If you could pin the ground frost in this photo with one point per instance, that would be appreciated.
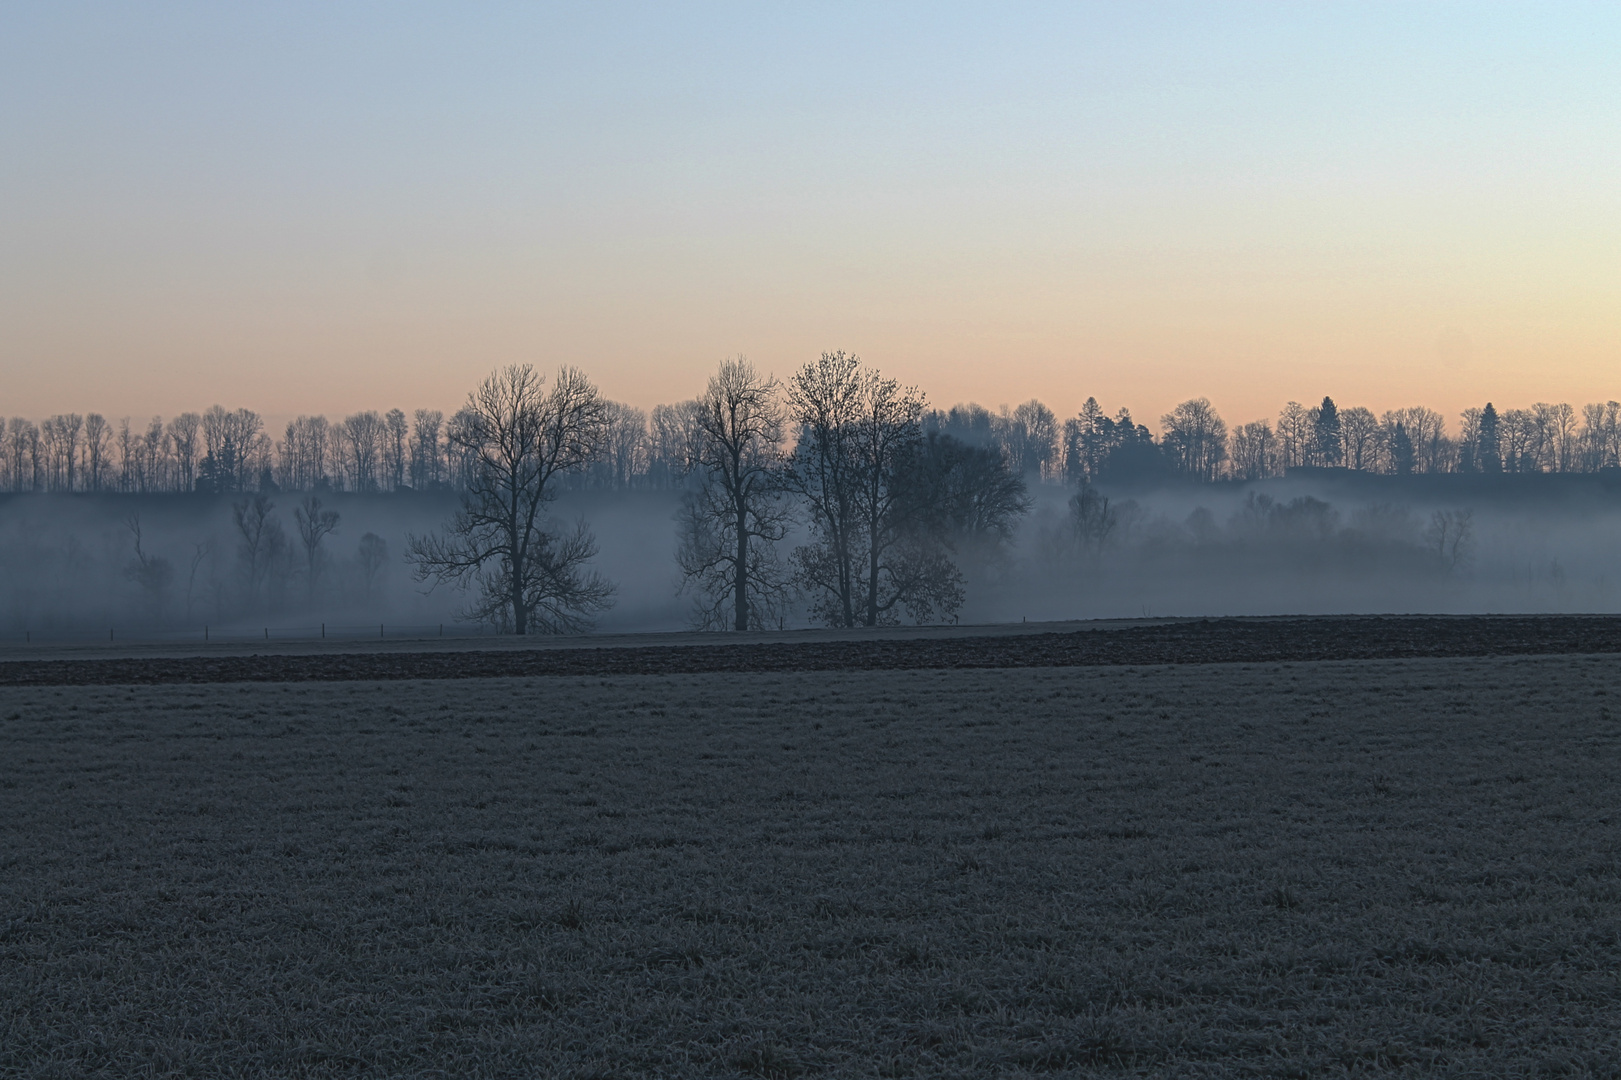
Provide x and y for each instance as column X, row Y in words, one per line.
column 1271, row 870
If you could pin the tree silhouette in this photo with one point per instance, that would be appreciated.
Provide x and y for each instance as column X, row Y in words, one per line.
column 733, row 520
column 517, row 438
column 314, row 524
column 868, row 559
column 1327, row 435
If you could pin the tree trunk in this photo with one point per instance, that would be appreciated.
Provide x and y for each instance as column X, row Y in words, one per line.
column 872, row 562
column 520, row 612
column 741, row 582
column 872, row 587
column 846, row 586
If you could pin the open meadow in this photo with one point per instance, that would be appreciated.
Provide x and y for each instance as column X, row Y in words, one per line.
column 1399, row 866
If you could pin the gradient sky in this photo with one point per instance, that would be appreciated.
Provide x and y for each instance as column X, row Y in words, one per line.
column 326, row 207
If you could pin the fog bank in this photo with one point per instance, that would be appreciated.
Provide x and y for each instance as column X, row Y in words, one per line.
column 1307, row 543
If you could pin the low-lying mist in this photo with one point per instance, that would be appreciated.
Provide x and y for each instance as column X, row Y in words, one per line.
column 1349, row 544
column 168, row 564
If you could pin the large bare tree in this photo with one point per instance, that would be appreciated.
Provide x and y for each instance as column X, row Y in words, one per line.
column 870, row 557
column 518, row 437
column 732, row 520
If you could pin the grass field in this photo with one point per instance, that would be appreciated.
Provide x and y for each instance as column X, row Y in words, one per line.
column 1306, row 869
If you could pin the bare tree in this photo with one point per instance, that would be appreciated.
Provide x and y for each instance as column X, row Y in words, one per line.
column 154, row 457
column 731, row 523
column 396, row 439
column 426, row 459
column 96, row 438
column 362, row 436
column 51, row 456
column 1294, row 435
column 1029, row 438
column 373, row 556
column 305, row 449
column 22, row 449
column 671, row 438
column 1359, row 438
column 1450, row 535
column 59, row 445
column 1254, row 451
column 124, row 441
column 518, row 439
column 71, row 426
column 1600, row 436
column 624, row 446
column 262, row 542
column 314, row 524
column 183, row 444
column 1195, row 437
column 1468, row 459
column 200, row 551
column 461, row 433
column 1520, row 441
column 232, row 441
column 1425, row 430
column 152, row 573
column 1556, row 427
column 1091, row 520
column 868, row 558
column 827, row 399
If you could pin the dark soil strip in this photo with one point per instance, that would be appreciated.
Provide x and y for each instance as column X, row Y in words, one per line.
column 1197, row 642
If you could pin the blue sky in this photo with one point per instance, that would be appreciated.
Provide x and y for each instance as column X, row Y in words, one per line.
column 329, row 207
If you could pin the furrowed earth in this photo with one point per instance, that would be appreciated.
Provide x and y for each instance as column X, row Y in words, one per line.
column 1271, row 866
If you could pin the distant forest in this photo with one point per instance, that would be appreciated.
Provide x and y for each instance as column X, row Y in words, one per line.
column 835, row 496
column 225, row 451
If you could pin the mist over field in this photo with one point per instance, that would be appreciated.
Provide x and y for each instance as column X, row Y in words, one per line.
column 833, row 496
column 1318, row 544
column 1323, row 545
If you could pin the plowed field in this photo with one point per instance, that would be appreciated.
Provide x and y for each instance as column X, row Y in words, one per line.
column 1190, row 642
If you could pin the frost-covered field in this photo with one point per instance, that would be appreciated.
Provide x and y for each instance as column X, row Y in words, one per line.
column 1282, row 869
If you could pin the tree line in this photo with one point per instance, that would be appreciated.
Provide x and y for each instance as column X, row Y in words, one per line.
column 230, row 451
column 837, row 492
column 224, row 451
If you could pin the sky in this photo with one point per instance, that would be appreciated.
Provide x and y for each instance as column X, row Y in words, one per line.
column 324, row 207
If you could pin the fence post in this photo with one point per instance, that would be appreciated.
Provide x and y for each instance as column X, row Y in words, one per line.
column 267, row 633
column 379, row 629
column 323, row 631
column 205, row 631
column 441, row 629
column 109, row 633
